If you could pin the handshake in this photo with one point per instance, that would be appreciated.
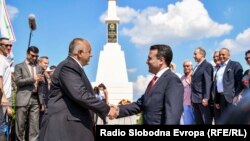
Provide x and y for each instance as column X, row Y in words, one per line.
column 113, row 112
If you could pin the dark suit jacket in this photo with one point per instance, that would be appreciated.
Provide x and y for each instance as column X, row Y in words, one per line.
column 232, row 84
column 201, row 84
column 162, row 105
column 24, row 82
column 70, row 105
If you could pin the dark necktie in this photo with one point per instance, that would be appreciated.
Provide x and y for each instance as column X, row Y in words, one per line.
column 151, row 84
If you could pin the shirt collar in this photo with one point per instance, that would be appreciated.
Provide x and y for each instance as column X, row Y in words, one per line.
column 28, row 62
column 77, row 61
column 225, row 63
column 159, row 74
column 200, row 62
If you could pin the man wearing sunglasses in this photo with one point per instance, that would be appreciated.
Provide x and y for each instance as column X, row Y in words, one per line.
column 29, row 100
column 246, row 76
column 5, row 84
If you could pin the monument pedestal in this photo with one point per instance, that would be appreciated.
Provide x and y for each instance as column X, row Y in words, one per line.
column 112, row 70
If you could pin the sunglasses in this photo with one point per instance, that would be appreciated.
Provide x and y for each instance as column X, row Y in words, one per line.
column 32, row 55
column 247, row 58
column 7, row 45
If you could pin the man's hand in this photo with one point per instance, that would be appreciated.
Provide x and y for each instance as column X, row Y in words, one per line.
column 9, row 111
column 204, row 102
column 113, row 112
column 217, row 106
column 4, row 102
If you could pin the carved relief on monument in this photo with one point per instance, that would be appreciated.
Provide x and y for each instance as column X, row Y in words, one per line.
column 112, row 33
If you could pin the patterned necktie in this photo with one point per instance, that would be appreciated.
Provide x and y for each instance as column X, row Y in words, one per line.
column 151, row 84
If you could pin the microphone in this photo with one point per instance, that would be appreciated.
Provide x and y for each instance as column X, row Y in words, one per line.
column 32, row 22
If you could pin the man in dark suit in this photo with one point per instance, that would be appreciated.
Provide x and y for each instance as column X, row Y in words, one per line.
column 201, row 87
column 228, row 81
column 69, row 116
column 162, row 102
column 28, row 98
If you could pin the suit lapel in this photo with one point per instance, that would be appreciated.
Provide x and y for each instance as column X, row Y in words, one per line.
column 26, row 68
column 229, row 65
column 83, row 75
column 197, row 71
column 157, row 83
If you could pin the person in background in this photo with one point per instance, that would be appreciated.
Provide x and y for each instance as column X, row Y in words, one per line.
column 97, row 93
column 172, row 68
column 52, row 69
column 188, row 113
column 43, row 62
column 99, row 97
column 5, row 86
column 201, row 87
column 215, row 112
column 103, row 92
column 240, row 114
column 246, row 76
column 228, row 81
column 29, row 97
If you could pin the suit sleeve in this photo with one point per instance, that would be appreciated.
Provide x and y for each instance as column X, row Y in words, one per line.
column 173, row 101
column 238, row 74
column 208, row 80
column 20, row 81
column 73, row 86
column 131, row 109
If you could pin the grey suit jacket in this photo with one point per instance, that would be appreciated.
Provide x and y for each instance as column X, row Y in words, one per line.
column 232, row 84
column 163, row 105
column 201, row 84
column 24, row 82
column 70, row 105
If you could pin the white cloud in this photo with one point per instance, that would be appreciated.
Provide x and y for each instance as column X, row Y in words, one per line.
column 132, row 70
column 140, row 85
column 12, row 11
column 239, row 44
column 185, row 20
column 126, row 14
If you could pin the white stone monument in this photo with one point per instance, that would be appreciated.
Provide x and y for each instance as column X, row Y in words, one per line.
column 112, row 71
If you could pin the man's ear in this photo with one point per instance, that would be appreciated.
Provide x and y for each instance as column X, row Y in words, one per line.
column 162, row 60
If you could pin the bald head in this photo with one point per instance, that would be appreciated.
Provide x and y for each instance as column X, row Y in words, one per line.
column 80, row 49
column 77, row 45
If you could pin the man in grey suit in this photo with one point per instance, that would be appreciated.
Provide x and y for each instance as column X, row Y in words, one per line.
column 228, row 81
column 72, row 101
column 29, row 99
column 162, row 102
column 201, row 87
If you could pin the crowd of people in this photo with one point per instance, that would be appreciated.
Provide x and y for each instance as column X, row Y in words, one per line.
column 48, row 104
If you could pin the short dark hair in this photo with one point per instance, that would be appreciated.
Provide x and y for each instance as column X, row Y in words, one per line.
column 202, row 51
column 52, row 67
column 33, row 49
column 3, row 38
column 96, row 90
column 247, row 52
column 164, row 51
column 102, row 85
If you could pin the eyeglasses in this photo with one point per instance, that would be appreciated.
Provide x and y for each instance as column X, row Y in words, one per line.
column 247, row 58
column 186, row 65
column 7, row 45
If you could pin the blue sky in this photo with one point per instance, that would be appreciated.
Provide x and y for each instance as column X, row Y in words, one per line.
column 182, row 24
